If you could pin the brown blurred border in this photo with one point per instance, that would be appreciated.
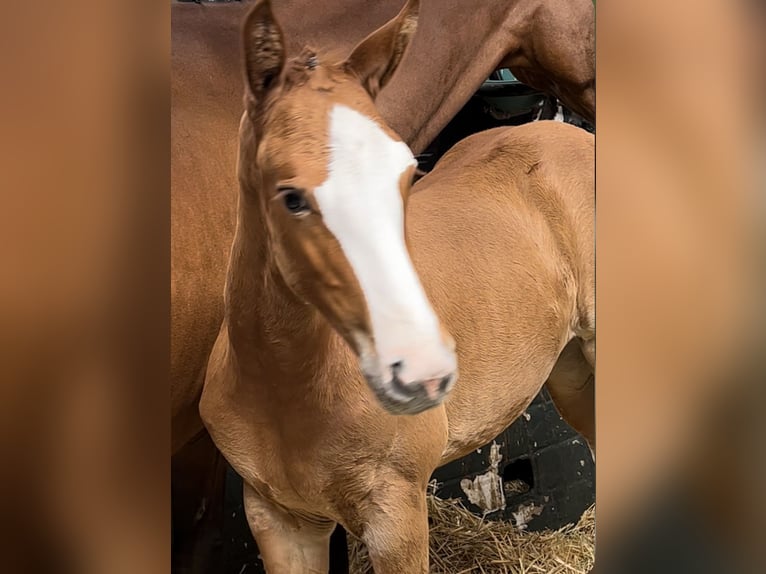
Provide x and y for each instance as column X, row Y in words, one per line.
column 84, row 293
column 679, row 286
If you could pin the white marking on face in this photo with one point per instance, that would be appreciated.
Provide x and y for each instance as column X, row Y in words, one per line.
column 362, row 206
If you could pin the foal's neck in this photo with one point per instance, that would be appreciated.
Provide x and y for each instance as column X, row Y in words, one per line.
column 266, row 320
column 269, row 327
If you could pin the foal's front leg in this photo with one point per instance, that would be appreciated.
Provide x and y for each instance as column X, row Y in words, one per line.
column 396, row 530
column 288, row 544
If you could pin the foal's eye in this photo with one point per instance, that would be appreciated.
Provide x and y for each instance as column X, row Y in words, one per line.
column 295, row 201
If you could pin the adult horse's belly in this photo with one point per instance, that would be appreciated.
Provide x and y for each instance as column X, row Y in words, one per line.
column 206, row 91
column 201, row 233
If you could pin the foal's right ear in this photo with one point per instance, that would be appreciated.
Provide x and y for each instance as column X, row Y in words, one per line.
column 264, row 50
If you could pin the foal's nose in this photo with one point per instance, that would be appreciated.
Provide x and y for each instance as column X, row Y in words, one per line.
column 435, row 387
column 432, row 388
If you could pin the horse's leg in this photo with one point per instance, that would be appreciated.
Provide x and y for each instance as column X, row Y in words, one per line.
column 564, row 44
column 197, row 475
column 572, row 387
column 589, row 352
column 288, row 544
column 557, row 53
column 396, row 531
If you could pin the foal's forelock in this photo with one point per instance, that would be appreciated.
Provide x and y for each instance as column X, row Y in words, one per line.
column 311, row 65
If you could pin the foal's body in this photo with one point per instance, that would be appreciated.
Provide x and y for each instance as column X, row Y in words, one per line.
column 501, row 234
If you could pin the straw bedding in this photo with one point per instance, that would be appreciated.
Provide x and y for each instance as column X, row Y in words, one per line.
column 463, row 543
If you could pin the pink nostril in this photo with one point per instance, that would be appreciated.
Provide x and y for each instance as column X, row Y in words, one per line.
column 432, row 387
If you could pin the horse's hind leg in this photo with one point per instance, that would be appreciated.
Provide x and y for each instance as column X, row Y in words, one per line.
column 287, row 544
column 572, row 387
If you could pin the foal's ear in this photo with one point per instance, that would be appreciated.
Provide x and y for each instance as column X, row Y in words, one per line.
column 375, row 58
column 264, row 50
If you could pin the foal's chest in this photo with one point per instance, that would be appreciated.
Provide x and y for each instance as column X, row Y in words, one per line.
column 291, row 454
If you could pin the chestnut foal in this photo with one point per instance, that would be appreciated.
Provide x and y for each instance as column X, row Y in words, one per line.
column 332, row 388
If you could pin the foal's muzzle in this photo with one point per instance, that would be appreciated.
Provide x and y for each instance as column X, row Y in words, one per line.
column 401, row 397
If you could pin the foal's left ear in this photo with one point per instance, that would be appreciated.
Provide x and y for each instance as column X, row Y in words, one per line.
column 264, row 50
column 375, row 58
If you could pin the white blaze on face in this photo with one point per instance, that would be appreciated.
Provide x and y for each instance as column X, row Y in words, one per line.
column 362, row 206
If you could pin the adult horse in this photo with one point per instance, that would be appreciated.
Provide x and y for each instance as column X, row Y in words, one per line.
column 548, row 44
column 336, row 326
